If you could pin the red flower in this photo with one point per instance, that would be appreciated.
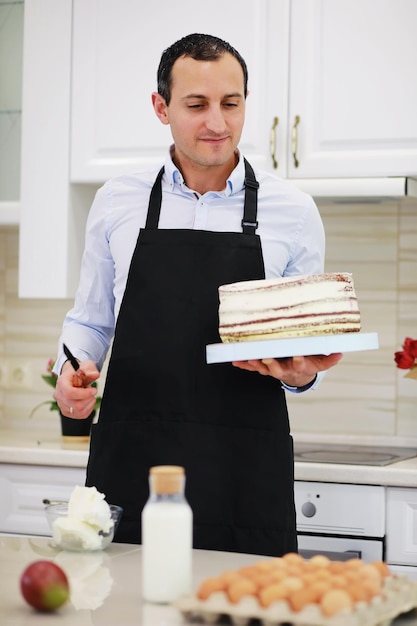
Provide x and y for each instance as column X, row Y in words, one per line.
column 405, row 359
column 410, row 346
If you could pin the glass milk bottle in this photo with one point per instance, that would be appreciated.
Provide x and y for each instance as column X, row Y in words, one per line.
column 167, row 536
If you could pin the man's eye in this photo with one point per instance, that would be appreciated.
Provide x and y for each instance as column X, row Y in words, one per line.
column 195, row 106
column 231, row 104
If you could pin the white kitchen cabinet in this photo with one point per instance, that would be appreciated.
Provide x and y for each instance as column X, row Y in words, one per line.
column 52, row 212
column 353, row 85
column 22, row 489
column 401, row 526
column 344, row 70
column 117, row 48
column 11, row 50
column 89, row 67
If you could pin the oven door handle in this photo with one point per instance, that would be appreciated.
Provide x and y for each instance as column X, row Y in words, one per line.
column 332, row 555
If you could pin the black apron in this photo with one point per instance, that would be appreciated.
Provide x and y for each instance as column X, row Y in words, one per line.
column 162, row 404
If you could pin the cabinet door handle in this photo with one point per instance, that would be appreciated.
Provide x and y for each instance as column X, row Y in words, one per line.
column 295, row 140
column 273, row 142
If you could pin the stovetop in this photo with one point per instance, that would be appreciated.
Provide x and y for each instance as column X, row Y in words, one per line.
column 351, row 454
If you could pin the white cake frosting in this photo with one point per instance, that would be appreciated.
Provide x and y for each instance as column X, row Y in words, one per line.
column 296, row 306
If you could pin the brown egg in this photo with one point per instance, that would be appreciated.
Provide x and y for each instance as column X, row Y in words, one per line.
column 383, row 568
column 299, row 598
column 294, row 569
column 262, row 579
column 357, row 592
column 265, row 566
column 336, row 567
column 369, row 572
column 278, row 575
column 273, row 593
column 240, row 588
column 351, row 574
column 338, row 581
column 248, row 571
column 308, row 578
column 318, row 561
column 320, row 587
column 209, row 586
column 334, row 601
column 371, row 586
column 292, row 558
column 323, row 574
column 370, row 580
column 278, row 564
column 292, row 583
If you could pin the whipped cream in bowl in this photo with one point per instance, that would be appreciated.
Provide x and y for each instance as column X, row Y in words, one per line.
column 86, row 523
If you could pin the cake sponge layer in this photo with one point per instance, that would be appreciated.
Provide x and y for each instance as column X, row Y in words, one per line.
column 299, row 306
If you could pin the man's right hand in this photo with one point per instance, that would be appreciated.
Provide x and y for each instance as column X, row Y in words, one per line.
column 73, row 399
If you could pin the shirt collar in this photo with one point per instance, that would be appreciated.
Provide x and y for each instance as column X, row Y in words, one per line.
column 234, row 183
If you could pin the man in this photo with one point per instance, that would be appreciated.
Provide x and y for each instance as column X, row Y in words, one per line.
column 158, row 246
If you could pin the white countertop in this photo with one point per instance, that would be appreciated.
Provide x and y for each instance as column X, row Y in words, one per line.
column 41, row 448
column 105, row 586
column 37, row 448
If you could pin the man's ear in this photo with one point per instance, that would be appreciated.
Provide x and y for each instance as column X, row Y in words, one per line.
column 160, row 108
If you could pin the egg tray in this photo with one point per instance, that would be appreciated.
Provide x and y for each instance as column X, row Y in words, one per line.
column 398, row 595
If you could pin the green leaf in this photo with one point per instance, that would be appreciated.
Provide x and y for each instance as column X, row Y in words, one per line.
column 52, row 403
column 50, row 379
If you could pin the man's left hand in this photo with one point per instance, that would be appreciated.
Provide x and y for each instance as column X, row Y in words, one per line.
column 296, row 371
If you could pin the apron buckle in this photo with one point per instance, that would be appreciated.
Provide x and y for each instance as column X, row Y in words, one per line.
column 249, row 228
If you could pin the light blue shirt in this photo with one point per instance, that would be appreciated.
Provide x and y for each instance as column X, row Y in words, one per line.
column 290, row 229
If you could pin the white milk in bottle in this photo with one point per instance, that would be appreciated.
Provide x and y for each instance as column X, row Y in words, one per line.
column 167, row 531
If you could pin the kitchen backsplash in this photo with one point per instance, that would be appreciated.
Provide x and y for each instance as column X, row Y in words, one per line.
column 365, row 394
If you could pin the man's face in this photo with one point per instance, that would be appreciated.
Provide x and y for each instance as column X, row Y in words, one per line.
column 207, row 110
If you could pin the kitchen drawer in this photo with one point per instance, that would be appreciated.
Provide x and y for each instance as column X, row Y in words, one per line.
column 22, row 489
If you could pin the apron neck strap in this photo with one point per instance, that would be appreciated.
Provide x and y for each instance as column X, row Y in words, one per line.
column 250, row 209
column 155, row 200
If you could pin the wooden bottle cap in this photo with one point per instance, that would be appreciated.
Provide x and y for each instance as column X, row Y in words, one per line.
column 167, row 479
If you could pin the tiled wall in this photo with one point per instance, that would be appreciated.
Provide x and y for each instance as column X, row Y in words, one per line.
column 365, row 394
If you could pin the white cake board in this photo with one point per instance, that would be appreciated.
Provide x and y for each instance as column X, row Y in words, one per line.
column 280, row 348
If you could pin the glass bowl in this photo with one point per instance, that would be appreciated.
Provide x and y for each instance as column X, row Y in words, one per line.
column 80, row 537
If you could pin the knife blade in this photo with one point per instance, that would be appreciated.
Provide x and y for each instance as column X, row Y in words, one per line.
column 71, row 358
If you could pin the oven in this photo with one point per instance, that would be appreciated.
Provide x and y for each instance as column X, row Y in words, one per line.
column 345, row 520
column 340, row 520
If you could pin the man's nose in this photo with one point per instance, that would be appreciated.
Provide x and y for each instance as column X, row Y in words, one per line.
column 215, row 120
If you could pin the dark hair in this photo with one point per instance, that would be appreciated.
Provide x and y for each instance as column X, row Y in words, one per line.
column 199, row 47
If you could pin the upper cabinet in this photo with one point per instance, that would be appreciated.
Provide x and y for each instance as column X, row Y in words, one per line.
column 117, row 48
column 11, row 52
column 333, row 86
column 352, row 88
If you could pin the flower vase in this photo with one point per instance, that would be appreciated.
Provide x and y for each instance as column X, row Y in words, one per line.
column 76, row 431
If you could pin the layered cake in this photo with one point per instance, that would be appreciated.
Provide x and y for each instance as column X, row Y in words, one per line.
column 296, row 306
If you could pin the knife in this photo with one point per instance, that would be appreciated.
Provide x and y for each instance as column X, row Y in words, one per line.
column 71, row 358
